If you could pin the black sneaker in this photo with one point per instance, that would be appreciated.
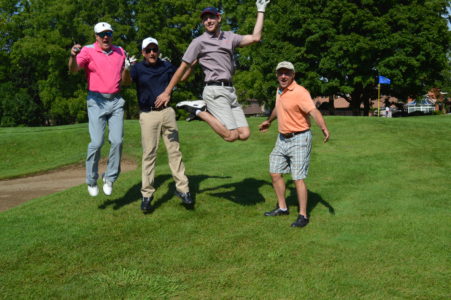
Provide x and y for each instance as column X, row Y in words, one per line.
column 192, row 106
column 145, row 204
column 301, row 221
column 191, row 117
column 276, row 212
column 186, row 197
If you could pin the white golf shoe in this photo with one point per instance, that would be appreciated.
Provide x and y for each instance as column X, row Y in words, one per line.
column 192, row 106
column 93, row 190
column 107, row 187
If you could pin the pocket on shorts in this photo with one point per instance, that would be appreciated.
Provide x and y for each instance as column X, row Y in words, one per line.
column 208, row 94
column 231, row 96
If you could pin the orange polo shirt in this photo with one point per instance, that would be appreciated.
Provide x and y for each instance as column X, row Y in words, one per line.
column 293, row 106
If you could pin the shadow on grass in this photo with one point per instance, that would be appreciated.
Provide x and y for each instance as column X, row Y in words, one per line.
column 245, row 192
column 313, row 200
column 134, row 193
column 194, row 183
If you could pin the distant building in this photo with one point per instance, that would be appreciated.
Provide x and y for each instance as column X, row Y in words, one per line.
column 340, row 106
column 254, row 109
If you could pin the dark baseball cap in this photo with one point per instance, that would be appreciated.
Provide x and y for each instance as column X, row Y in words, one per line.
column 210, row 10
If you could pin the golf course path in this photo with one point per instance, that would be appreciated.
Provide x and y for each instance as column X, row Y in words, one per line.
column 16, row 191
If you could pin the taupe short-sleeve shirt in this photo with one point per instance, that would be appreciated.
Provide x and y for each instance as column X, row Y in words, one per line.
column 215, row 54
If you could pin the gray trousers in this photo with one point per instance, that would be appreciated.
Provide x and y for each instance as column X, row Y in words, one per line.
column 103, row 110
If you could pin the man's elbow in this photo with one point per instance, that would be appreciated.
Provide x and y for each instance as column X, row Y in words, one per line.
column 73, row 68
column 256, row 38
column 73, row 71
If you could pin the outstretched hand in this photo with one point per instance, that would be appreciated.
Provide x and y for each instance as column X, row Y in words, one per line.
column 263, row 127
column 261, row 5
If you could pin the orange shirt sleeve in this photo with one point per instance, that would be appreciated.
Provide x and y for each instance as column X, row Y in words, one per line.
column 306, row 102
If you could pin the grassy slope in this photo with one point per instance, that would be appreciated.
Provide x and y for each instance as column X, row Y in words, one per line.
column 379, row 206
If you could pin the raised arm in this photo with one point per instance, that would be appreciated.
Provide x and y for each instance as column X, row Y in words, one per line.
column 318, row 117
column 258, row 28
column 128, row 63
column 73, row 66
column 126, row 77
column 163, row 98
column 188, row 71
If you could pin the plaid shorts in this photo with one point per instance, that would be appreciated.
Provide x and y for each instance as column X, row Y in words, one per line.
column 292, row 155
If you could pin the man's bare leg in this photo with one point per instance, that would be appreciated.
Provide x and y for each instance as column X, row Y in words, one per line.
column 301, row 190
column 241, row 133
column 279, row 188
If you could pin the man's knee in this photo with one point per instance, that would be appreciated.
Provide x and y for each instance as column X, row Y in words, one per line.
column 96, row 144
column 232, row 136
column 276, row 176
column 116, row 142
column 244, row 136
column 244, row 133
column 241, row 134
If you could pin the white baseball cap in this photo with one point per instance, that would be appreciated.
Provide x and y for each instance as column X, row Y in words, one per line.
column 285, row 65
column 148, row 41
column 101, row 27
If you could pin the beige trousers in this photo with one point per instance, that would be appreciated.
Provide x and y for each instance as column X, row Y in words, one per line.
column 153, row 125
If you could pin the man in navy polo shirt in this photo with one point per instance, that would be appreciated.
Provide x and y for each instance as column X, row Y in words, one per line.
column 152, row 75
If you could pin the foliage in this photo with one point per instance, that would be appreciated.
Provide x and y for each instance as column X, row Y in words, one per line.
column 17, row 107
column 337, row 46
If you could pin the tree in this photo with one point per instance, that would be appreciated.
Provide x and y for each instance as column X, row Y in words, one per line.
column 35, row 42
column 337, row 46
column 340, row 46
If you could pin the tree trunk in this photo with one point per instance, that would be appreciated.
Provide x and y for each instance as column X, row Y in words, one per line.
column 356, row 99
column 331, row 105
column 366, row 107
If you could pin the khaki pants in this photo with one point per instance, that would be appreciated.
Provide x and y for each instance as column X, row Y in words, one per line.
column 153, row 125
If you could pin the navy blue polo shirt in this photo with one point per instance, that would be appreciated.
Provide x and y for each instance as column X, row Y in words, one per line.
column 151, row 81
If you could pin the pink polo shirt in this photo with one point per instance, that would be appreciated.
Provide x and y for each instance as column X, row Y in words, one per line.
column 103, row 70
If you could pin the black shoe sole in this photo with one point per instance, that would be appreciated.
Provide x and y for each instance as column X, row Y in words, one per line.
column 273, row 214
column 296, row 224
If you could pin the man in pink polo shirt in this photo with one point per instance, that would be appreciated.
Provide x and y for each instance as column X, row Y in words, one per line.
column 291, row 154
column 104, row 65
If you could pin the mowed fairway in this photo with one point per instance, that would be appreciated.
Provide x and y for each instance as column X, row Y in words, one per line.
column 379, row 204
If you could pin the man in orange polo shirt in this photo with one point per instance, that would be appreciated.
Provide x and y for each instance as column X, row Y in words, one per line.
column 291, row 153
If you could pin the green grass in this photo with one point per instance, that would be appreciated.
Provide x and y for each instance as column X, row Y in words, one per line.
column 378, row 199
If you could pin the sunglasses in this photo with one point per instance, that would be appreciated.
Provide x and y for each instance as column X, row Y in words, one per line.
column 284, row 72
column 105, row 33
column 148, row 50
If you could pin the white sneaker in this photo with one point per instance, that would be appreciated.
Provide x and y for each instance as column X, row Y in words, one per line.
column 93, row 190
column 192, row 106
column 107, row 187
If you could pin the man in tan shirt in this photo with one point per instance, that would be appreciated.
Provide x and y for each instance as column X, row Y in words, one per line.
column 214, row 51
